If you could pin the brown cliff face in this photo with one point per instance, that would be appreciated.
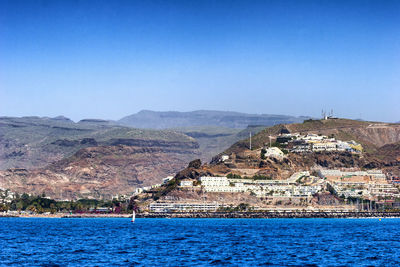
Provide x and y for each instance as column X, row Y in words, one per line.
column 102, row 172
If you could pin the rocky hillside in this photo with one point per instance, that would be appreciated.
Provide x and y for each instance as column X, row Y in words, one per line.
column 91, row 158
column 102, row 171
column 32, row 142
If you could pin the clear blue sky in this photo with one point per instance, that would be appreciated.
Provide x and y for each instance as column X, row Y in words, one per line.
column 108, row 59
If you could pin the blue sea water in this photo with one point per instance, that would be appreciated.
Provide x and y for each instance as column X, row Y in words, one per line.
column 177, row 242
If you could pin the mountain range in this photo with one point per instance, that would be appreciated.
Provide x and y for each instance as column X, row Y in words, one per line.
column 99, row 158
column 173, row 119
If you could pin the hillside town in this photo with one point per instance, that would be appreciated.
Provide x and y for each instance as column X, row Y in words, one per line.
column 298, row 143
column 300, row 188
column 6, row 196
column 349, row 186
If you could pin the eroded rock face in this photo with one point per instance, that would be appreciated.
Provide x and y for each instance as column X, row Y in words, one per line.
column 100, row 172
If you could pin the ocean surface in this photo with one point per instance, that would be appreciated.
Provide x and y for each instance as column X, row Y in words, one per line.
column 177, row 242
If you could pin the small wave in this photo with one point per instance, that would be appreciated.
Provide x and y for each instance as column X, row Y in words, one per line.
column 220, row 262
column 50, row 265
column 267, row 263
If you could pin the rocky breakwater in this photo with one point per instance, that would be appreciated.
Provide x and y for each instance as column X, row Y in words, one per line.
column 273, row 214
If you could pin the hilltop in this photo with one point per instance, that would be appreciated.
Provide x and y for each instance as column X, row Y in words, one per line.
column 371, row 135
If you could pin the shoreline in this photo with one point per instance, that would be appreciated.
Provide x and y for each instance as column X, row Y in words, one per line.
column 220, row 215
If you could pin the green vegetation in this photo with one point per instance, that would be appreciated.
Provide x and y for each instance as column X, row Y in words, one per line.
column 240, row 207
column 234, row 176
column 261, row 177
column 41, row 204
column 263, row 151
column 165, row 190
column 254, row 177
column 279, row 145
column 300, row 179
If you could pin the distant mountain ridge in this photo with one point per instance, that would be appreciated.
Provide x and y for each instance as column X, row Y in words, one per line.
column 31, row 142
column 90, row 158
column 228, row 119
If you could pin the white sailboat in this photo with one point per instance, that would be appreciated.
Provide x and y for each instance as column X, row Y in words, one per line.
column 133, row 216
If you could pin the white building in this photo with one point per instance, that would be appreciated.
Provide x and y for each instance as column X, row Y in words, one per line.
column 138, row 191
column 274, row 152
column 212, row 181
column 377, row 174
column 182, row 207
column 224, row 158
column 6, row 196
column 219, row 184
column 166, row 180
column 261, row 188
column 313, row 137
column 186, row 183
column 324, row 146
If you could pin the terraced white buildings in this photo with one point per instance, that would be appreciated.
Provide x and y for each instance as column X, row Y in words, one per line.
column 261, row 188
column 371, row 184
column 317, row 143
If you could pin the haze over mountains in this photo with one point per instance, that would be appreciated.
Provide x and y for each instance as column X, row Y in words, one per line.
column 32, row 142
column 214, row 130
column 227, row 119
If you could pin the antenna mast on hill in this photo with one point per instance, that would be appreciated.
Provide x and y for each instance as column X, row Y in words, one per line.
column 323, row 115
column 250, row 140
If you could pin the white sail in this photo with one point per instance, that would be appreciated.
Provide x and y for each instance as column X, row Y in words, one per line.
column 133, row 216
